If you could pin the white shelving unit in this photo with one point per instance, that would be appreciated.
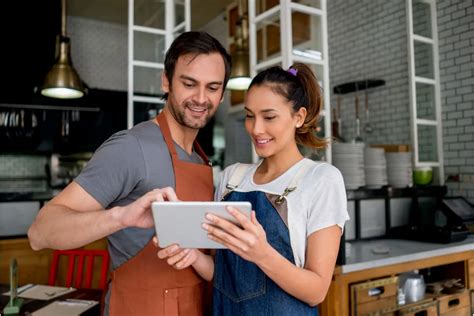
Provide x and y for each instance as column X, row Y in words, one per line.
column 425, row 95
column 298, row 42
column 152, row 27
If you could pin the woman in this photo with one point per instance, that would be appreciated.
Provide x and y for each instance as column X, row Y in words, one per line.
column 281, row 260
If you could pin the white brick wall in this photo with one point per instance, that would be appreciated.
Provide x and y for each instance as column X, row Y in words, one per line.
column 456, row 50
column 99, row 52
column 368, row 39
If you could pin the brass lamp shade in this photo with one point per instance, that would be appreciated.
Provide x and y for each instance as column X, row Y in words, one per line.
column 62, row 81
column 240, row 76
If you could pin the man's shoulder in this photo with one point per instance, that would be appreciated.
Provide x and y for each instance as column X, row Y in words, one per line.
column 139, row 134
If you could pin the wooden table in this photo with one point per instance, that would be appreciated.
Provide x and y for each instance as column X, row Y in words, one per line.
column 30, row 305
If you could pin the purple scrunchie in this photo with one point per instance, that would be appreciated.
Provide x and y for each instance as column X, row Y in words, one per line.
column 293, row 71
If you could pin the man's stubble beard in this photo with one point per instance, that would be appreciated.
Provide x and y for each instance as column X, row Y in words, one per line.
column 180, row 117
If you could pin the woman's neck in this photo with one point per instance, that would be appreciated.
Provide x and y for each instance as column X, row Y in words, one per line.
column 274, row 166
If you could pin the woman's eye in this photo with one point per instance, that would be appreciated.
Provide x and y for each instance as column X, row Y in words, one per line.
column 269, row 118
column 248, row 116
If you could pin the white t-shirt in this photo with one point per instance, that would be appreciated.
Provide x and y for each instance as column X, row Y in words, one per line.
column 319, row 200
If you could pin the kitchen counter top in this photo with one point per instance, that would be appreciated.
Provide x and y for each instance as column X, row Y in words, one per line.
column 373, row 254
column 27, row 196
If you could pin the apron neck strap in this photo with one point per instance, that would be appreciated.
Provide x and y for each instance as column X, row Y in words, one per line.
column 165, row 130
column 236, row 178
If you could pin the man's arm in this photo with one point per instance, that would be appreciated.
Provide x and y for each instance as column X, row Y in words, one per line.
column 74, row 218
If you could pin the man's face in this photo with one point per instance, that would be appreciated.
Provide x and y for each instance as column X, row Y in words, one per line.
column 196, row 88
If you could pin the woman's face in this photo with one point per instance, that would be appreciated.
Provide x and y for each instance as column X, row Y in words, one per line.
column 271, row 121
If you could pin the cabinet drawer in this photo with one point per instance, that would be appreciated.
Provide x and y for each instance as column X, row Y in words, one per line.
column 471, row 273
column 374, row 296
column 424, row 309
column 472, row 301
column 453, row 303
column 465, row 311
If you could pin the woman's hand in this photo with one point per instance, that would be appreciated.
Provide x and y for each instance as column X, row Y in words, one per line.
column 177, row 257
column 249, row 241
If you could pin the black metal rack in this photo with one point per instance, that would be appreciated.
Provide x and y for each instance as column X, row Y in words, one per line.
column 358, row 85
column 386, row 193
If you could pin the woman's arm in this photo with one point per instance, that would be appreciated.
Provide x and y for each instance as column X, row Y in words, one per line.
column 309, row 284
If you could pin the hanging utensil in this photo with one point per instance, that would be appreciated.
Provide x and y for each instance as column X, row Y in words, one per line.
column 67, row 123
column 63, row 124
column 367, row 127
column 339, row 119
column 358, row 138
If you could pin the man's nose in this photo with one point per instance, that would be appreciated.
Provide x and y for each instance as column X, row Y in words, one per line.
column 200, row 96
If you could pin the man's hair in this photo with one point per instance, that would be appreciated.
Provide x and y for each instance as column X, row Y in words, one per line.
column 195, row 43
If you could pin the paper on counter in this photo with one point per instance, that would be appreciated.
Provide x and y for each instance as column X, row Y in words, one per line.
column 67, row 307
column 21, row 289
column 45, row 292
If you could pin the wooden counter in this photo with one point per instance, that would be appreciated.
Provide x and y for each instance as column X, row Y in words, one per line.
column 403, row 256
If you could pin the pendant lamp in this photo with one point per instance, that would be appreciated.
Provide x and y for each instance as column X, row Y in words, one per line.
column 240, row 75
column 63, row 81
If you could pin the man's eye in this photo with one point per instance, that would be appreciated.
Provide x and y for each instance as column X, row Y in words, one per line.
column 213, row 89
column 188, row 85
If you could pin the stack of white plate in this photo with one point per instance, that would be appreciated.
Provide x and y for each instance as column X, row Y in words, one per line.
column 375, row 166
column 399, row 169
column 349, row 159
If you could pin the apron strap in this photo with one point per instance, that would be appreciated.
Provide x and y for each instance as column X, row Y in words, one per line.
column 235, row 178
column 201, row 153
column 238, row 175
column 165, row 130
column 294, row 182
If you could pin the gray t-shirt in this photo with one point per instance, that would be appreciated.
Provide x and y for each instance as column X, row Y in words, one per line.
column 125, row 167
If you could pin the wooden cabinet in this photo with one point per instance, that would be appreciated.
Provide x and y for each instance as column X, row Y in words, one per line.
column 426, row 309
column 455, row 265
column 372, row 296
column 470, row 269
column 33, row 266
column 455, row 304
column 472, row 302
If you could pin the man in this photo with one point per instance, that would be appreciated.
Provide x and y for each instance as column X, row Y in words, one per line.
column 113, row 194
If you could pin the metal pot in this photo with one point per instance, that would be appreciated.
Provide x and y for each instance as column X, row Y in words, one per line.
column 414, row 287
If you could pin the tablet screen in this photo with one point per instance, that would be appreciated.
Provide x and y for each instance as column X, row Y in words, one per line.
column 181, row 222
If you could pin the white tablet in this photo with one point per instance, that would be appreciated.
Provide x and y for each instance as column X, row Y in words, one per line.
column 180, row 222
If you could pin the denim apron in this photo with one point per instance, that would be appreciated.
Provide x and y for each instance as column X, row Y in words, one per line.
column 240, row 286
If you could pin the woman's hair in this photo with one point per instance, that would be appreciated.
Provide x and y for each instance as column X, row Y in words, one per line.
column 299, row 86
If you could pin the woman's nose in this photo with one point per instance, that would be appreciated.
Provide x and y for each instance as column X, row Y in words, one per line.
column 257, row 127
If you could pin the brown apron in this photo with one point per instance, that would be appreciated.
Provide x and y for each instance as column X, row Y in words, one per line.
column 147, row 285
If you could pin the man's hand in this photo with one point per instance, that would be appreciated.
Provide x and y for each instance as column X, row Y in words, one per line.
column 138, row 213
